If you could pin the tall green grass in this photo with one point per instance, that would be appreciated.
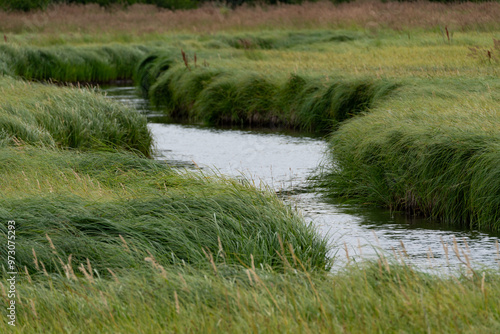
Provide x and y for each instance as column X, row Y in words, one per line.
column 239, row 98
column 177, row 91
column 372, row 298
column 51, row 116
column 221, row 97
column 150, row 68
column 71, row 63
column 435, row 156
column 116, row 208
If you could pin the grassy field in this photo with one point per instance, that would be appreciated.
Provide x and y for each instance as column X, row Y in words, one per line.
column 108, row 240
column 139, row 21
column 427, row 142
column 360, row 299
column 116, row 209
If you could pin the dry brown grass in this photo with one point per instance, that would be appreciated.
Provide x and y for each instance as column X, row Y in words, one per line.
column 144, row 19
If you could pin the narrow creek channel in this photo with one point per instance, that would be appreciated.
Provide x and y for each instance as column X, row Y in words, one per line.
column 283, row 162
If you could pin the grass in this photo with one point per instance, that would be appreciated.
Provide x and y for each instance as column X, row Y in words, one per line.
column 438, row 156
column 96, row 197
column 314, row 80
column 101, row 205
column 218, row 97
column 373, row 297
column 131, row 245
column 45, row 115
column 139, row 21
column 71, row 64
column 108, row 241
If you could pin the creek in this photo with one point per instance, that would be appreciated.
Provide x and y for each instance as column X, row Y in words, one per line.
column 283, row 162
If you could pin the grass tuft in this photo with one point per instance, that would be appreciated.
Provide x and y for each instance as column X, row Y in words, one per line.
column 50, row 116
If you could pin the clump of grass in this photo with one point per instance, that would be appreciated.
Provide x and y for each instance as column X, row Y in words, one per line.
column 72, row 64
column 150, row 68
column 321, row 107
column 243, row 99
column 177, row 90
column 435, row 157
column 68, row 118
column 116, row 208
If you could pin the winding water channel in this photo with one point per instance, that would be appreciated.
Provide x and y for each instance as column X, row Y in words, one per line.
column 283, row 162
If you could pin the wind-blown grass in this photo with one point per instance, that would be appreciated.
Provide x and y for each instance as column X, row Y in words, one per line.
column 150, row 68
column 70, row 63
column 436, row 157
column 193, row 252
column 115, row 209
column 214, row 299
column 52, row 116
column 218, row 97
column 176, row 91
column 241, row 99
column 199, row 253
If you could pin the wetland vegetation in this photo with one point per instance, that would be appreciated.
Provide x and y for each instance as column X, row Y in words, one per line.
column 407, row 95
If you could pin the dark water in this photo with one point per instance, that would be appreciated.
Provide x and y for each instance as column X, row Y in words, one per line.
column 283, row 162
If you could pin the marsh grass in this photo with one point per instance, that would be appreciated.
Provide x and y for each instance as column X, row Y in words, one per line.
column 288, row 40
column 178, row 90
column 241, row 99
column 378, row 296
column 141, row 20
column 111, row 242
column 436, row 157
column 89, row 203
column 148, row 69
column 248, row 98
column 71, row 64
column 77, row 118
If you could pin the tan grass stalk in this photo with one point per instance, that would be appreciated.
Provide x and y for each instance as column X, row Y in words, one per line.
column 144, row 19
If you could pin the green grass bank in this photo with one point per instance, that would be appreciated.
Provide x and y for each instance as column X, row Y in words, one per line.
column 111, row 242
column 233, row 83
column 66, row 174
column 433, row 150
column 76, row 118
column 215, row 96
column 115, row 209
column 67, row 63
